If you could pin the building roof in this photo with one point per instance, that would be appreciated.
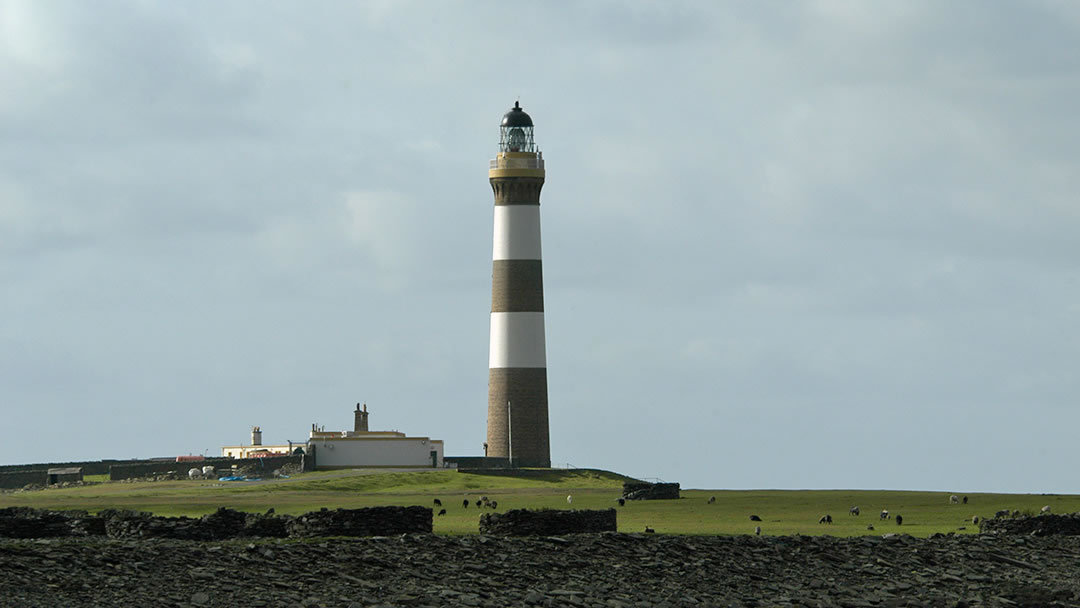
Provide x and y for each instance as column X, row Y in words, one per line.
column 66, row 471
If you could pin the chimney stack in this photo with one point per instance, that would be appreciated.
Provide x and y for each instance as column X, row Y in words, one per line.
column 360, row 419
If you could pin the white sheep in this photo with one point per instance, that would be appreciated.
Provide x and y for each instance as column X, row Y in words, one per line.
column 194, row 473
column 208, row 471
column 954, row 500
column 569, row 499
column 1045, row 509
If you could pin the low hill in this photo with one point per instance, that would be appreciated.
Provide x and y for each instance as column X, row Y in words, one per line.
column 782, row 512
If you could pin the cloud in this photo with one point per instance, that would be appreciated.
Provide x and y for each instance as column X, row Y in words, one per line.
column 383, row 226
column 763, row 224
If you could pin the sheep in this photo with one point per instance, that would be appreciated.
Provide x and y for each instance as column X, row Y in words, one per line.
column 884, row 514
column 853, row 510
column 494, row 504
column 569, row 499
column 622, row 502
column 208, row 471
column 965, row 500
column 712, row 499
column 649, row 530
column 869, row 526
column 465, row 503
column 825, row 519
column 975, row 520
column 1045, row 509
column 438, row 503
column 1002, row 513
column 194, row 473
column 899, row 519
column 757, row 530
column 755, row 518
column 442, row 511
column 954, row 500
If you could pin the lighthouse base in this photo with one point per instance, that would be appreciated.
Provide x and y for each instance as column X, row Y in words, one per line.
column 518, row 432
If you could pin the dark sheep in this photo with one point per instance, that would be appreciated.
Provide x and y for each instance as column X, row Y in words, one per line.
column 622, row 502
column 649, row 530
column 494, row 504
column 465, row 503
column 870, row 526
column 965, row 500
column 712, row 499
column 442, row 511
column 438, row 503
column 899, row 520
column 825, row 519
column 853, row 510
column 757, row 531
column 755, row 518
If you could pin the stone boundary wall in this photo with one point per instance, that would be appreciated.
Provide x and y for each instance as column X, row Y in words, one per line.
column 1046, row 524
column 641, row 490
column 18, row 479
column 372, row 521
column 547, row 522
column 131, row 471
column 26, row 522
column 94, row 467
column 472, row 463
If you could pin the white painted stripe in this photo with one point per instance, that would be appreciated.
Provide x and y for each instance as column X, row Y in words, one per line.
column 517, row 232
column 517, row 340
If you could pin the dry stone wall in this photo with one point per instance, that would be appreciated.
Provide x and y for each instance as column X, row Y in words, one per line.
column 262, row 466
column 372, row 521
column 547, row 522
column 640, row 490
column 24, row 522
column 1039, row 525
column 18, row 479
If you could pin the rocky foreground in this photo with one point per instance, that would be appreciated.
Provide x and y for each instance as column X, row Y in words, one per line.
column 601, row 570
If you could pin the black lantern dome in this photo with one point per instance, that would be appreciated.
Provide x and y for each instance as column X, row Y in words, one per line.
column 516, row 117
column 516, row 131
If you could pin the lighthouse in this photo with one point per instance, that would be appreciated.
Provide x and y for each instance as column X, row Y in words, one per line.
column 517, row 421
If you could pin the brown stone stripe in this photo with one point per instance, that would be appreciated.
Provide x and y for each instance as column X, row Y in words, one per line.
column 517, row 286
column 517, row 190
column 526, row 390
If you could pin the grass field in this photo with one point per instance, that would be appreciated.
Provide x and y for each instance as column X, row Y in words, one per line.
column 781, row 511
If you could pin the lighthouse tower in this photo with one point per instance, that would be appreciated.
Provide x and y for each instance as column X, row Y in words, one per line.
column 517, row 422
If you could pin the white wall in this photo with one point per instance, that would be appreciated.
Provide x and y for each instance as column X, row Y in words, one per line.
column 374, row 452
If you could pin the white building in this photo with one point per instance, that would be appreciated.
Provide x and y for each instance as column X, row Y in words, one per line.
column 257, row 449
column 349, row 449
column 358, row 448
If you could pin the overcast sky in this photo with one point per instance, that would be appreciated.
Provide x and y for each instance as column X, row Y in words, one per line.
column 786, row 244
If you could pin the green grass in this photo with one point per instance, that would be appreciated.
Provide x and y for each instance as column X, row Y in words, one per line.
column 782, row 511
